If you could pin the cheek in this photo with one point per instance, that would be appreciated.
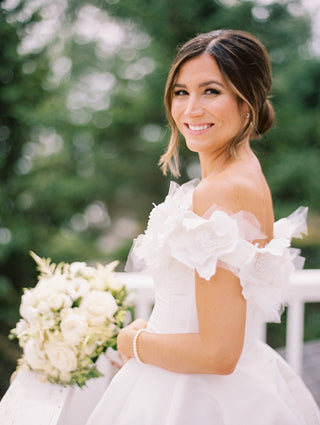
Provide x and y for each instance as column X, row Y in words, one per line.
column 224, row 108
column 175, row 112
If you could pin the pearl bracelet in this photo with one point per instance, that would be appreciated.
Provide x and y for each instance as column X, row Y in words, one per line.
column 135, row 349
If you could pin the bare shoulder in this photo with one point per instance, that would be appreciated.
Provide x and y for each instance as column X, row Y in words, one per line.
column 231, row 193
column 236, row 192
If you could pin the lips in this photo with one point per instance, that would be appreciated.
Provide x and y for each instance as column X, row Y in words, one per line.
column 197, row 128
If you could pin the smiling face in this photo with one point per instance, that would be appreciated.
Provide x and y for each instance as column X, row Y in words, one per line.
column 205, row 109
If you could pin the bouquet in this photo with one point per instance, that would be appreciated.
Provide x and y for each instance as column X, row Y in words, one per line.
column 72, row 315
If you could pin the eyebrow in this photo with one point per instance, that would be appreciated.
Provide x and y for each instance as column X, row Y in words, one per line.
column 206, row 83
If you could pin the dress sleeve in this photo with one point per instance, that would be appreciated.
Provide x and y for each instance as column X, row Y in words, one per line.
column 200, row 243
column 175, row 234
column 226, row 240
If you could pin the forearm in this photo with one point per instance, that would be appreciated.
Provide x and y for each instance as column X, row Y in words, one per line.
column 185, row 353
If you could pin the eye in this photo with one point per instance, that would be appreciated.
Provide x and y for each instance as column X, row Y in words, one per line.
column 180, row 92
column 211, row 90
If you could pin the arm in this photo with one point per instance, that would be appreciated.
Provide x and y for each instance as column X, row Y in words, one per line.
column 215, row 348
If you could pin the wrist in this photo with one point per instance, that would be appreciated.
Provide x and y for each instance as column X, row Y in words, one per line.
column 125, row 342
column 136, row 346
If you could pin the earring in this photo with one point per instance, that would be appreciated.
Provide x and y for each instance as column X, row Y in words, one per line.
column 248, row 115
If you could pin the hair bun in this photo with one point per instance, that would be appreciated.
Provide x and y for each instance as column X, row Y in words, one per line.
column 266, row 118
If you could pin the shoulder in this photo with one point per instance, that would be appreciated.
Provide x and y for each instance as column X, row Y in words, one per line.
column 223, row 191
column 234, row 193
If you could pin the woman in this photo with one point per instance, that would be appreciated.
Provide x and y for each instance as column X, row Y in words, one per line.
column 218, row 262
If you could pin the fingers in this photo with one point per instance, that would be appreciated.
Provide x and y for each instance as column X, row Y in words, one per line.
column 116, row 365
column 124, row 358
column 126, row 336
column 138, row 324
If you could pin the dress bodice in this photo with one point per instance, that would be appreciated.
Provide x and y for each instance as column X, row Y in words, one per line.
column 177, row 242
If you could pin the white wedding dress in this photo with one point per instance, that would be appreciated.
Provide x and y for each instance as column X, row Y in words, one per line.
column 263, row 390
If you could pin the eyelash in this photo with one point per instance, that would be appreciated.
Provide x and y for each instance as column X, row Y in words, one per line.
column 208, row 91
column 180, row 92
column 212, row 91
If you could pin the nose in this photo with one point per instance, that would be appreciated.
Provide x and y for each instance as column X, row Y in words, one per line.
column 193, row 107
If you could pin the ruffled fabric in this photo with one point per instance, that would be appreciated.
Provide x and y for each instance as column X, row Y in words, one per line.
column 224, row 239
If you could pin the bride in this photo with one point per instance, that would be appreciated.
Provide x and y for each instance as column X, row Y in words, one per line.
column 218, row 260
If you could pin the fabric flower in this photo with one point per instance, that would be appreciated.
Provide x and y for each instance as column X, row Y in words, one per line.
column 263, row 277
column 176, row 236
column 201, row 242
column 292, row 226
column 149, row 249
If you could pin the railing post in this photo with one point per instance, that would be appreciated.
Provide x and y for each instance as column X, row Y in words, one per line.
column 294, row 338
column 262, row 331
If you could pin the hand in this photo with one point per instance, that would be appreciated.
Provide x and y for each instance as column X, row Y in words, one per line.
column 114, row 357
column 125, row 338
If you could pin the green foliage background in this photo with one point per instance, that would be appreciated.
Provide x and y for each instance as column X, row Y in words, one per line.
column 82, row 127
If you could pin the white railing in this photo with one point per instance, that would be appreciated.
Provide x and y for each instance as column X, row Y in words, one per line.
column 304, row 288
column 29, row 401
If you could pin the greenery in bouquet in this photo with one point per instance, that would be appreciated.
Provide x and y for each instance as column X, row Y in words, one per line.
column 72, row 315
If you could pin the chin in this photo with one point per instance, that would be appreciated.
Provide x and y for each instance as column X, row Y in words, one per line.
column 199, row 147
column 195, row 146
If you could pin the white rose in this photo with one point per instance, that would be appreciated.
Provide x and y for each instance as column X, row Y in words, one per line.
column 77, row 267
column 34, row 355
column 21, row 327
column 59, row 300
column 106, row 278
column 61, row 356
column 52, row 284
column 114, row 282
column 98, row 306
column 110, row 277
column 43, row 307
column 88, row 272
column 78, row 287
column 73, row 326
column 111, row 281
column 98, row 283
column 46, row 322
column 28, row 308
column 42, row 285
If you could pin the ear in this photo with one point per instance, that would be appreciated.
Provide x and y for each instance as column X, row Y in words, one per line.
column 245, row 110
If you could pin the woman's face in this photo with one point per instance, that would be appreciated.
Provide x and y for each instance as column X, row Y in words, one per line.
column 205, row 109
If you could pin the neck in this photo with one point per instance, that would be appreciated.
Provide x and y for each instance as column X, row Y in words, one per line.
column 216, row 162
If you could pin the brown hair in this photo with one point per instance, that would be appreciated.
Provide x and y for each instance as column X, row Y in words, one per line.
column 245, row 65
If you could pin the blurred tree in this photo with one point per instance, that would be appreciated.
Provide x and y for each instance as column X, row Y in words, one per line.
column 82, row 123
